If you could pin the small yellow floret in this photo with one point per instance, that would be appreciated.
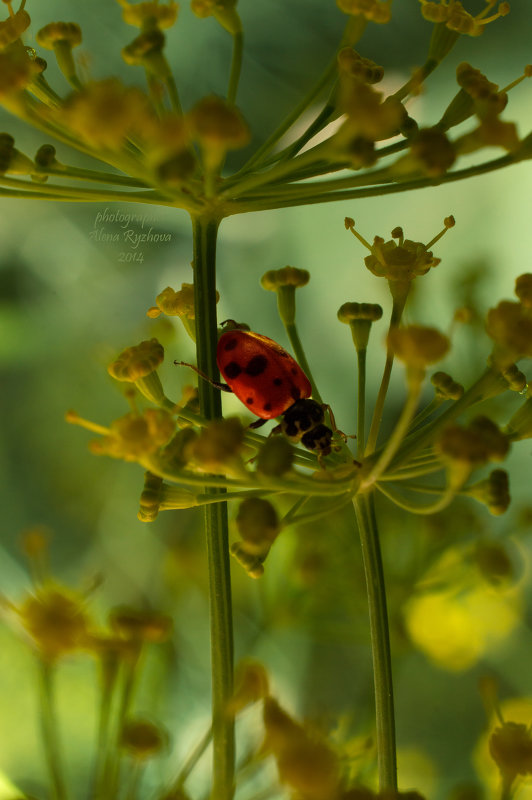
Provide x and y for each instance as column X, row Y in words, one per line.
column 105, row 112
column 137, row 361
column 287, row 276
column 143, row 739
column 54, row 32
column 56, row 620
column 141, row 625
column 418, row 346
column 149, row 13
column 136, row 436
column 218, row 127
column 510, row 326
column 14, row 26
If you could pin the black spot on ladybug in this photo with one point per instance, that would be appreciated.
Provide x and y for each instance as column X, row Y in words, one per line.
column 294, row 392
column 232, row 370
column 293, row 371
column 256, row 365
column 230, row 345
column 277, row 381
column 249, row 401
column 267, row 407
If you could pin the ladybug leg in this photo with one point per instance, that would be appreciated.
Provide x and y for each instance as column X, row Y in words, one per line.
column 257, row 424
column 345, row 436
column 217, row 384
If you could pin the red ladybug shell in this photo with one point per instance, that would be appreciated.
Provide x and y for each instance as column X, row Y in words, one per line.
column 262, row 375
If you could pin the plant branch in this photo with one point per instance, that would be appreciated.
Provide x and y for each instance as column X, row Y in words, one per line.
column 380, row 642
column 215, row 517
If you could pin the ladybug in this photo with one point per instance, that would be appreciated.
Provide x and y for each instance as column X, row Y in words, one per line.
column 270, row 383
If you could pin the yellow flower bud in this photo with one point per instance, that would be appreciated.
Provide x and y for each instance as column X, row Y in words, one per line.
column 14, row 26
column 487, row 99
column 457, row 19
column 306, row 764
column 258, row 525
column 17, row 71
column 515, row 378
column 218, row 446
column 275, row 457
column 168, row 151
column 285, row 281
column 431, row 153
column 251, row 563
column 137, row 361
column 523, row 289
column 493, row 491
column 251, row 685
column 418, row 346
column 510, row 747
column 61, row 37
column 149, row 14
column 218, row 127
column 510, row 326
column 150, row 498
column 370, row 115
column 45, row 158
column 356, row 66
column 136, row 436
column 378, row 11
column 143, row 739
column 138, row 365
column 360, row 316
column 56, row 620
column 445, row 387
column 105, row 112
column 12, row 161
column 481, row 441
column 287, row 276
column 494, row 563
column 67, row 32
column 147, row 51
column 177, row 452
column 224, row 11
column 141, row 625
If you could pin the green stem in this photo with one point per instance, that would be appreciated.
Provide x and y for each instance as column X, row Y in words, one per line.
column 445, row 499
column 244, row 206
column 399, row 300
column 191, row 762
column 50, row 733
column 488, row 385
column 236, row 66
column 215, row 516
column 287, row 123
column 94, row 176
column 398, row 434
column 361, row 402
column 301, row 358
column 380, row 642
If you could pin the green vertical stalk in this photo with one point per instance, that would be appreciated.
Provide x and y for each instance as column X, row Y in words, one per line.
column 215, row 515
column 50, row 732
column 301, row 358
column 380, row 642
column 361, row 402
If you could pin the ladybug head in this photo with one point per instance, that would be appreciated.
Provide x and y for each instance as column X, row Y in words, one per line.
column 232, row 325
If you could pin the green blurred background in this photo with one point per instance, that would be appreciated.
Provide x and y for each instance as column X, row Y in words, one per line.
column 69, row 302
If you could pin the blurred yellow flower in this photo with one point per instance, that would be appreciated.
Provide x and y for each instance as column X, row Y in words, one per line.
column 517, row 710
column 456, row 628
